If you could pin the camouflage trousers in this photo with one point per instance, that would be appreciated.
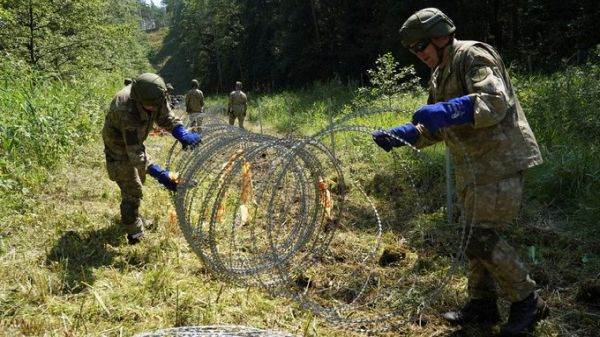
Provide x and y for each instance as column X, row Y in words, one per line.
column 130, row 181
column 492, row 262
column 240, row 115
column 195, row 119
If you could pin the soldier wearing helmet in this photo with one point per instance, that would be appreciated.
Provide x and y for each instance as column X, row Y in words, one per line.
column 473, row 108
column 194, row 104
column 171, row 99
column 132, row 113
column 238, row 103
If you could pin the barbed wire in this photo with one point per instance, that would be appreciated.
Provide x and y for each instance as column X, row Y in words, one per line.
column 214, row 331
column 266, row 211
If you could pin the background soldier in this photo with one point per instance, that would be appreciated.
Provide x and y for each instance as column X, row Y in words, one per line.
column 194, row 104
column 473, row 108
column 171, row 99
column 238, row 103
column 132, row 113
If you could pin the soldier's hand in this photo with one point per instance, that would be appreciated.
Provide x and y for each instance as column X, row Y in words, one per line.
column 396, row 137
column 164, row 177
column 189, row 139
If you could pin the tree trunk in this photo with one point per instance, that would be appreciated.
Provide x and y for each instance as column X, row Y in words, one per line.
column 31, row 44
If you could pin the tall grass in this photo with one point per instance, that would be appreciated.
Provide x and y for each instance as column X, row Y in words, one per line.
column 562, row 109
column 43, row 119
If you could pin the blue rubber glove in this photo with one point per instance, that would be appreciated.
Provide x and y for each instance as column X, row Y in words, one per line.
column 186, row 137
column 408, row 132
column 456, row 111
column 162, row 176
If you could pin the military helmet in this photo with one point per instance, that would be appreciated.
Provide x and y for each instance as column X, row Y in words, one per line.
column 425, row 24
column 149, row 89
column 195, row 83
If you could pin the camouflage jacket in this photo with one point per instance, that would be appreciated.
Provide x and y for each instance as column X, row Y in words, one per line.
column 126, row 127
column 194, row 101
column 237, row 102
column 500, row 143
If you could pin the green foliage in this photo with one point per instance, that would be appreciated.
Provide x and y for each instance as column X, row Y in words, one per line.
column 43, row 119
column 387, row 78
column 275, row 44
column 563, row 111
column 205, row 35
column 71, row 37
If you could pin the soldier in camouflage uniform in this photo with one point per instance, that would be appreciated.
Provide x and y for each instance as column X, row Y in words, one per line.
column 170, row 95
column 132, row 114
column 194, row 104
column 473, row 108
column 238, row 103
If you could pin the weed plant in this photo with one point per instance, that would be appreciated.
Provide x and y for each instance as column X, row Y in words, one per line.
column 43, row 119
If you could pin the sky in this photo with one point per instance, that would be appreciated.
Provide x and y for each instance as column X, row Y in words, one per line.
column 156, row 2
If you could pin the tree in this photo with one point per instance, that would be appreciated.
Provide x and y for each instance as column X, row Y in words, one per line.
column 67, row 37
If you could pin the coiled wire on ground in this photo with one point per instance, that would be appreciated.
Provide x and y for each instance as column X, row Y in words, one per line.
column 267, row 211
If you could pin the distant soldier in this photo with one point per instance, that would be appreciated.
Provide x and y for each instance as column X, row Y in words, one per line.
column 194, row 104
column 127, row 81
column 472, row 107
column 171, row 98
column 133, row 111
column 238, row 103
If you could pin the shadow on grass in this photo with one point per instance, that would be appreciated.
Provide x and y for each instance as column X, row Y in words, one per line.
column 77, row 255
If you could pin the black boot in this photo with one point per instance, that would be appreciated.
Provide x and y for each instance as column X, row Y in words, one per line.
column 524, row 315
column 134, row 238
column 484, row 311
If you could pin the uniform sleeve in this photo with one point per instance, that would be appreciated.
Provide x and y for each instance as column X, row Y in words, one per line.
column 230, row 101
column 485, row 84
column 201, row 98
column 426, row 138
column 166, row 119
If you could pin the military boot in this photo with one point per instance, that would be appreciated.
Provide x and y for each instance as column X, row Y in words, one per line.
column 135, row 231
column 484, row 311
column 134, row 238
column 524, row 315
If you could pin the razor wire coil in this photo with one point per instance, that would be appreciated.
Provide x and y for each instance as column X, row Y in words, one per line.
column 287, row 228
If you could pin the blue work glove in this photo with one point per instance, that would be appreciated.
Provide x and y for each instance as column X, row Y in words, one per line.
column 162, row 176
column 456, row 111
column 408, row 132
column 186, row 137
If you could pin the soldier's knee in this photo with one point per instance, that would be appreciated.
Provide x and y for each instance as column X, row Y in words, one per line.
column 482, row 242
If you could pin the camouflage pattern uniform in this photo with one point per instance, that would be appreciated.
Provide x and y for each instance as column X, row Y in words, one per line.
column 490, row 157
column 126, row 127
column 237, row 106
column 194, row 105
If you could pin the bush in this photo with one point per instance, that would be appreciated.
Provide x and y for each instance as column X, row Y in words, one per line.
column 42, row 119
column 563, row 111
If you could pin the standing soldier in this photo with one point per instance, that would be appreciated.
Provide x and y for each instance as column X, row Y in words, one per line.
column 194, row 104
column 132, row 113
column 237, row 105
column 473, row 108
column 170, row 97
